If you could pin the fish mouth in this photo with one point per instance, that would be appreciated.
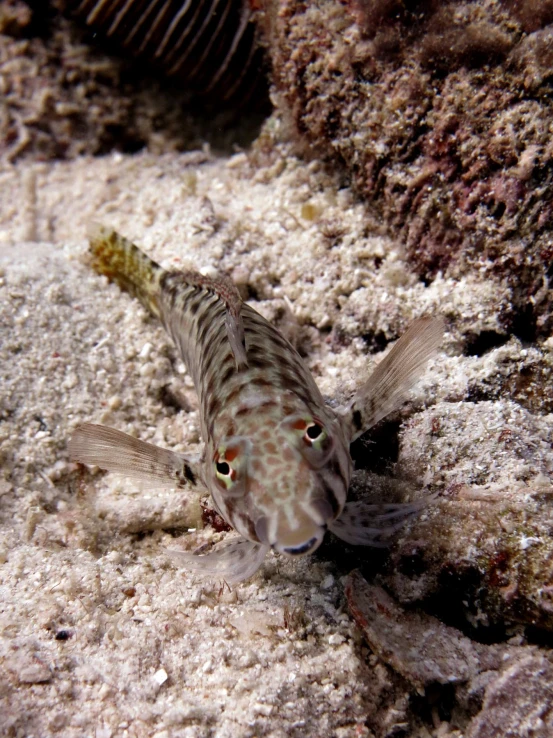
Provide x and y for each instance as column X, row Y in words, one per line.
column 304, row 547
column 302, row 538
column 290, row 549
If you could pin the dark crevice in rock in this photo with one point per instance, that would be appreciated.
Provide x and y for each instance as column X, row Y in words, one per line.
column 377, row 449
column 172, row 399
column 437, row 700
column 523, row 323
column 375, row 341
column 478, row 344
column 457, row 603
column 538, row 636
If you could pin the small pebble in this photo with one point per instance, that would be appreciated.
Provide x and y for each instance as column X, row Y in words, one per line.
column 160, row 676
column 114, row 402
column 145, row 351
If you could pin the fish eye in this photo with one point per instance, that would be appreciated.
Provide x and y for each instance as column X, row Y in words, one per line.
column 223, row 469
column 229, row 466
column 224, row 472
column 314, row 435
column 313, row 432
column 226, row 462
column 310, row 437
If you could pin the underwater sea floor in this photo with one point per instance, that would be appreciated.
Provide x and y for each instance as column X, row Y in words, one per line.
column 446, row 634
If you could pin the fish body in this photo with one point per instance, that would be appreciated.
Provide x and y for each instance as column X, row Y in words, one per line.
column 276, row 457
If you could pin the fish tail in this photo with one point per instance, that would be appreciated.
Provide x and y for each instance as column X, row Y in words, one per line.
column 124, row 263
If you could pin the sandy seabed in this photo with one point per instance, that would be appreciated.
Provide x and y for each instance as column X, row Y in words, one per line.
column 100, row 634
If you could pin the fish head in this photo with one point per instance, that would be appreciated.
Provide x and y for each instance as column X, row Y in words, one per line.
column 284, row 479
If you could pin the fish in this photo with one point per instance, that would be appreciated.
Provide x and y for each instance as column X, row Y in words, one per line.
column 275, row 454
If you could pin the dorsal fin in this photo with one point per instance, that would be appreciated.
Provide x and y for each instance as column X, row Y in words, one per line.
column 227, row 291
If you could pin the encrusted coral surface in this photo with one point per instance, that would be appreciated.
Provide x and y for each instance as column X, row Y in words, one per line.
column 441, row 116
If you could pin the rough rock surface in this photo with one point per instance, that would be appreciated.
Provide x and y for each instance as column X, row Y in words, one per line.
column 416, row 645
column 507, row 685
column 526, row 684
column 440, row 115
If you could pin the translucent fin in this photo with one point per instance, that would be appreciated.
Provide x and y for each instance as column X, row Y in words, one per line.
column 233, row 561
column 118, row 452
column 388, row 385
column 227, row 291
column 237, row 339
column 364, row 524
column 124, row 263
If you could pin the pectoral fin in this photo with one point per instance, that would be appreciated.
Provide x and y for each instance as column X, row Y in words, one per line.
column 364, row 524
column 388, row 385
column 118, row 452
column 233, row 561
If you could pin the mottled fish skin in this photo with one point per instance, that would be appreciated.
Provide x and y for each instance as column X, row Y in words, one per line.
column 282, row 487
column 276, row 457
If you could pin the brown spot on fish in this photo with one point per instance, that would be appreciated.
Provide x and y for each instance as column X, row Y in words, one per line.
column 257, row 465
column 287, row 454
